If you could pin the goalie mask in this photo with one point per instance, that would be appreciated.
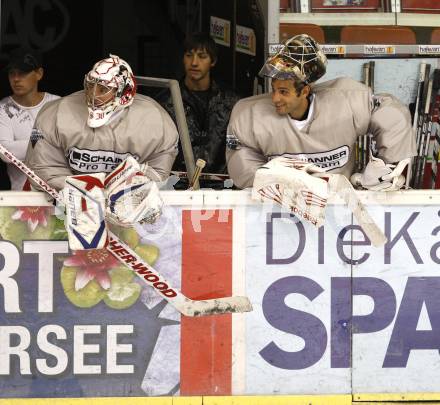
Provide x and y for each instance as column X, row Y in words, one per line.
column 300, row 59
column 109, row 87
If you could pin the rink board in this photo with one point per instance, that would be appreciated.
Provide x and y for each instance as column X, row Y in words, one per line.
column 334, row 318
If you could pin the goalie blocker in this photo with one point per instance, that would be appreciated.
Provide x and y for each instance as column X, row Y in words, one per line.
column 84, row 199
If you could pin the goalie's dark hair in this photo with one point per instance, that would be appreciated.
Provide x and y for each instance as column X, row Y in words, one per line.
column 297, row 84
column 201, row 40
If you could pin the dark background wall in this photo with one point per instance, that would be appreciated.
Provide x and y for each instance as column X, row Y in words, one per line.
column 68, row 33
column 73, row 34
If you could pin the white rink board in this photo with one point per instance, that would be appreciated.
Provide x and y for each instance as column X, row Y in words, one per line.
column 301, row 338
column 414, row 236
column 261, row 376
column 412, row 270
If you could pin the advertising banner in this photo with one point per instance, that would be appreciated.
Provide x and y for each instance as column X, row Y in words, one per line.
column 331, row 313
column 220, row 31
column 334, row 314
column 245, row 40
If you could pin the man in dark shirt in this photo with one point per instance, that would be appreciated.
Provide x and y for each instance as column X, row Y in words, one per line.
column 207, row 105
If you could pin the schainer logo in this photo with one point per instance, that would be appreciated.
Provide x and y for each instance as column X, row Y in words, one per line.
column 93, row 161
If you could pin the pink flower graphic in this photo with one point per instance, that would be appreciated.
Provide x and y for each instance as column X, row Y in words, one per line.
column 93, row 264
column 34, row 216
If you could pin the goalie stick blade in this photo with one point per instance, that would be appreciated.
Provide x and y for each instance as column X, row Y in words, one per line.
column 343, row 187
column 216, row 306
column 155, row 280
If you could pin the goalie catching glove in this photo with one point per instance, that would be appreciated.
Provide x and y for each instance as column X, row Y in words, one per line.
column 381, row 176
column 304, row 189
column 132, row 197
column 288, row 182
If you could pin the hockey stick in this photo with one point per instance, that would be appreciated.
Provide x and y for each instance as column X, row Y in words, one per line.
column 203, row 176
column 147, row 273
column 425, row 159
column 371, row 75
column 435, row 172
column 424, row 138
column 428, row 125
column 420, row 121
column 422, row 69
column 432, row 117
column 342, row 185
column 200, row 164
column 368, row 136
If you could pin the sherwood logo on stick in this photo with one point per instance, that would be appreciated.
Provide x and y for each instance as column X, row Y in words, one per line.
column 179, row 301
column 141, row 270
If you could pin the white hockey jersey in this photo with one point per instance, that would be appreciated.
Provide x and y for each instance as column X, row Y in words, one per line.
column 16, row 122
column 63, row 144
column 343, row 110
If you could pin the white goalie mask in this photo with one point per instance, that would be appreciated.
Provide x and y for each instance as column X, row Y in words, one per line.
column 109, row 87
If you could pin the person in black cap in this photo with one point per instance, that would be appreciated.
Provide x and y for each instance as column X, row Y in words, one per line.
column 19, row 110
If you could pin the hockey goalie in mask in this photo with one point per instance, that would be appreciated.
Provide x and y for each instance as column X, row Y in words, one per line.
column 124, row 197
column 110, row 87
column 302, row 61
column 290, row 182
column 317, row 124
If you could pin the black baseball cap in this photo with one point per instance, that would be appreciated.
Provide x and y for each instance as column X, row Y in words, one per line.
column 24, row 60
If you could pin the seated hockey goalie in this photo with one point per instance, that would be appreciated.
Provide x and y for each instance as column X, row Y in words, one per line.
column 94, row 130
column 106, row 147
column 317, row 123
